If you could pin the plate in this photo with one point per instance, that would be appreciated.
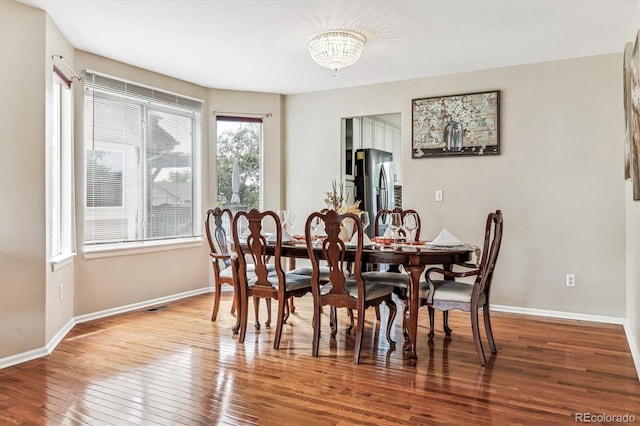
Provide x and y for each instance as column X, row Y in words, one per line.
column 364, row 246
column 442, row 247
column 446, row 244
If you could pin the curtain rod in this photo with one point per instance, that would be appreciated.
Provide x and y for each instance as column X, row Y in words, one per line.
column 68, row 66
column 263, row 114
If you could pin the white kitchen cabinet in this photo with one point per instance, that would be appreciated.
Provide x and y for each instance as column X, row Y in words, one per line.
column 368, row 133
column 397, row 155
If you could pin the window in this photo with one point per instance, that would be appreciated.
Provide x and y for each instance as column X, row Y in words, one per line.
column 239, row 139
column 141, row 163
column 61, row 168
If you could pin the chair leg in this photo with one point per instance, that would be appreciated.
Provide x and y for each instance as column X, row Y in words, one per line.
column 256, row 310
column 268, row 302
column 392, row 315
column 377, row 313
column 317, row 314
column 350, row 314
column 487, row 328
column 234, row 305
column 216, row 301
column 445, row 323
column 333, row 320
column 476, row 335
column 244, row 314
column 359, row 333
column 405, row 321
column 280, row 322
column 292, row 307
column 432, row 315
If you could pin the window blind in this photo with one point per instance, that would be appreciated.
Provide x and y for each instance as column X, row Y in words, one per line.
column 141, row 162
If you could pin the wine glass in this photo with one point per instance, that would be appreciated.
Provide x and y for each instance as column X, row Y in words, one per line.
column 282, row 215
column 364, row 220
column 411, row 224
column 394, row 223
column 316, row 222
column 292, row 218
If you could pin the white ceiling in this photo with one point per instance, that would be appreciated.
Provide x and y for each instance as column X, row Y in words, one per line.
column 260, row 45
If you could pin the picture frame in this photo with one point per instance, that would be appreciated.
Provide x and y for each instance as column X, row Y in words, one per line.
column 631, row 87
column 456, row 125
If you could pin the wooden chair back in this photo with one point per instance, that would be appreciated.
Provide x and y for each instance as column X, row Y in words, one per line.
column 216, row 233
column 333, row 254
column 253, row 245
column 490, row 252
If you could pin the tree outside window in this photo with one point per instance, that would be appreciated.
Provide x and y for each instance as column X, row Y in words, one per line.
column 241, row 140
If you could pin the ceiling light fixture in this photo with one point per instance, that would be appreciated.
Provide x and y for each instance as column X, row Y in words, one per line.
column 336, row 49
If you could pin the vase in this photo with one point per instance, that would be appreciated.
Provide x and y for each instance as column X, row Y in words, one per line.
column 453, row 136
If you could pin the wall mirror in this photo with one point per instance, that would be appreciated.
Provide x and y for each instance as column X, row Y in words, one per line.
column 371, row 157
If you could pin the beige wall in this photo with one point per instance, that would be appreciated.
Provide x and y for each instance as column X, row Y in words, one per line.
column 59, row 303
column 22, row 178
column 633, row 271
column 559, row 179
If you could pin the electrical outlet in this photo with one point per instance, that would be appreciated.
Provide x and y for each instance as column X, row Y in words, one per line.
column 571, row 280
column 61, row 290
column 439, row 195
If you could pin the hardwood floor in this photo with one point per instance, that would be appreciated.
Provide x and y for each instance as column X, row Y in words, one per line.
column 173, row 366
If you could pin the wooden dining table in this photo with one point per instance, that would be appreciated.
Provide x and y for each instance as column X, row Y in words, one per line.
column 414, row 259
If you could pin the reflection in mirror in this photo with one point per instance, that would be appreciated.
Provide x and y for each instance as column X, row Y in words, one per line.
column 372, row 161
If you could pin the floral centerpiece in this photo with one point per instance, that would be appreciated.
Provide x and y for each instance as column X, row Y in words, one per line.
column 335, row 200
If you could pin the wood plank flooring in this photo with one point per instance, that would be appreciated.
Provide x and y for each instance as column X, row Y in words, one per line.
column 173, row 366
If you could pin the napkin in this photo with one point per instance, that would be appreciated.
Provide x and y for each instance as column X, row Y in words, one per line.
column 365, row 240
column 286, row 237
column 388, row 233
column 446, row 238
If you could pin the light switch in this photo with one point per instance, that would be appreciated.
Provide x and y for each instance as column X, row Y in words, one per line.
column 439, row 194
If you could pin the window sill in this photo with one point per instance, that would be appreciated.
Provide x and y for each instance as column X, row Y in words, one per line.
column 61, row 260
column 111, row 250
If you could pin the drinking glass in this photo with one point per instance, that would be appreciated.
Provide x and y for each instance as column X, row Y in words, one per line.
column 292, row 218
column 316, row 222
column 282, row 215
column 364, row 220
column 394, row 223
column 411, row 224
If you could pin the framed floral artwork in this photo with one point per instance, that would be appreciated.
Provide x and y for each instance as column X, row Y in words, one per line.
column 466, row 124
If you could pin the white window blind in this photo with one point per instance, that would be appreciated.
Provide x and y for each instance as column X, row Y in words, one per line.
column 141, row 157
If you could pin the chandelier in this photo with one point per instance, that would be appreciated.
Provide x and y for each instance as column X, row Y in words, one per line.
column 336, row 49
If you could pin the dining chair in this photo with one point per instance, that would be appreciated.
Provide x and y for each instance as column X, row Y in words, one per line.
column 269, row 279
column 401, row 281
column 343, row 290
column 447, row 294
column 224, row 261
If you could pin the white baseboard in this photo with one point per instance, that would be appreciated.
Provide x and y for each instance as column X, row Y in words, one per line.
column 55, row 340
column 633, row 346
column 558, row 314
column 140, row 305
column 22, row 357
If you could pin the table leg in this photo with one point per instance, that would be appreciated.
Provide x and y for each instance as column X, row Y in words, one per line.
column 415, row 271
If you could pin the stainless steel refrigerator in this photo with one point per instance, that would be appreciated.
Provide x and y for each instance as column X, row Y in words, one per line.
column 374, row 183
